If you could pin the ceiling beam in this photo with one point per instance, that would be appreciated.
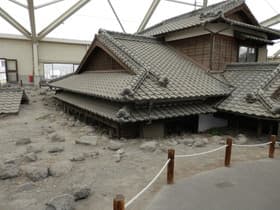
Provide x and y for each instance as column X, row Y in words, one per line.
column 30, row 4
column 18, row 3
column 185, row 3
column 275, row 55
column 205, row 3
column 62, row 18
column 271, row 21
column 47, row 4
column 116, row 15
column 14, row 23
column 148, row 15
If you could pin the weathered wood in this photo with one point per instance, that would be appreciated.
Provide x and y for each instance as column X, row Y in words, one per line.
column 272, row 146
column 228, row 152
column 170, row 166
column 259, row 129
column 118, row 203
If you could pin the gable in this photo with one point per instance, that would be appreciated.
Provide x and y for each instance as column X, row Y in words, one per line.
column 99, row 60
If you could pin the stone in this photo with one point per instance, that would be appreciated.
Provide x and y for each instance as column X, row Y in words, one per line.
column 23, row 141
column 200, row 142
column 26, row 187
column 43, row 92
column 49, row 130
column 78, row 157
column 149, row 146
column 55, row 137
column 34, row 148
column 55, row 149
column 87, row 140
column 115, row 145
column 241, row 139
column 30, row 157
column 61, row 202
column 81, row 192
column 60, row 168
column 120, row 151
column 216, row 138
column 187, row 141
column 93, row 155
column 172, row 142
column 8, row 171
column 36, row 173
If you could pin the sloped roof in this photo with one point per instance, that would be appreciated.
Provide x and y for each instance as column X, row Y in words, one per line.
column 201, row 16
column 10, row 100
column 158, row 72
column 122, row 113
column 254, row 85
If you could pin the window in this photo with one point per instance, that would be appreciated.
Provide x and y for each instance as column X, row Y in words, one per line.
column 55, row 70
column 247, row 54
column 3, row 78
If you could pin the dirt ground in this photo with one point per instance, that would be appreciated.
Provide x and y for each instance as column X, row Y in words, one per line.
column 101, row 170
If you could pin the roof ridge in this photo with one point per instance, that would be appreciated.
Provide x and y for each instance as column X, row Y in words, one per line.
column 193, row 13
column 140, row 36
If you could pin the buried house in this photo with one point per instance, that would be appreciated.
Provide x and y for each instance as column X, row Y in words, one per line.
column 177, row 74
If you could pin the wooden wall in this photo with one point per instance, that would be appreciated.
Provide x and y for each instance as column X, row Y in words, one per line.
column 211, row 51
column 99, row 60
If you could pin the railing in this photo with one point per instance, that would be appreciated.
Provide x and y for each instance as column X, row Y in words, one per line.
column 119, row 200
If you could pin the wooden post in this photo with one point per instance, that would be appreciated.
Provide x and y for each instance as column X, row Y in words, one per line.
column 170, row 166
column 228, row 152
column 272, row 146
column 118, row 203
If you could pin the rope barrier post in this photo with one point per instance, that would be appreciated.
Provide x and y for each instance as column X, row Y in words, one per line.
column 228, row 152
column 272, row 146
column 118, row 203
column 170, row 166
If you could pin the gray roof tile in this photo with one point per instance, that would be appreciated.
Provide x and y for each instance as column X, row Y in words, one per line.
column 10, row 100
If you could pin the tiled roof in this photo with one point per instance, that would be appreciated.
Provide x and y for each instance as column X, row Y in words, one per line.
column 122, row 113
column 254, row 85
column 10, row 100
column 201, row 16
column 159, row 73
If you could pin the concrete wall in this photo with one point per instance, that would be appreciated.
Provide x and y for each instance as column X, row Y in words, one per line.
column 208, row 121
column 48, row 51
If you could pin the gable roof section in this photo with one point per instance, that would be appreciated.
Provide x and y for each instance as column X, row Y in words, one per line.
column 212, row 13
column 158, row 72
column 254, row 85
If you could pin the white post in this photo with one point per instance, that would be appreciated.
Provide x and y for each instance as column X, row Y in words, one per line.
column 36, row 73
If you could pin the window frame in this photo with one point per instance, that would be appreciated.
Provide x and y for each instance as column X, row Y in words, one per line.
column 54, row 63
column 248, row 47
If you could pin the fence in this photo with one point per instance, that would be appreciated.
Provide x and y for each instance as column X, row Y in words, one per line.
column 119, row 200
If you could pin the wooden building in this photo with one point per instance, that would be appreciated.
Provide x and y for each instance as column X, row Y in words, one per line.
column 177, row 73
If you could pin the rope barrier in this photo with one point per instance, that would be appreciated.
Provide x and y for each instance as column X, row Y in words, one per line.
column 147, row 186
column 251, row 145
column 202, row 153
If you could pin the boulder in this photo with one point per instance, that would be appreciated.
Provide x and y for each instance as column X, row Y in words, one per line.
column 26, row 187
column 60, row 168
column 241, row 139
column 200, row 142
column 81, row 192
column 23, row 141
column 149, row 146
column 61, row 202
column 172, row 142
column 87, row 140
column 216, row 139
column 55, row 149
column 78, row 157
column 8, row 171
column 30, row 157
column 36, row 173
column 187, row 141
column 55, row 137
column 115, row 145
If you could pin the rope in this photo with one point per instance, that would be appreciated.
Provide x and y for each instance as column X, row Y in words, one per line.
column 148, row 185
column 202, row 153
column 251, row 145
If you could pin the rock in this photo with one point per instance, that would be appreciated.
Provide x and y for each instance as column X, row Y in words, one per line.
column 8, row 171
column 43, row 92
column 241, row 139
column 60, row 168
column 61, row 202
column 49, row 130
column 26, row 187
column 172, row 142
column 23, row 141
column 33, row 148
column 78, row 157
column 118, row 158
column 216, row 139
column 55, row 149
column 87, row 140
column 120, row 151
column 36, row 173
column 149, row 146
column 114, row 145
column 200, row 142
column 93, row 155
column 30, row 157
column 187, row 141
column 81, row 192
column 55, row 137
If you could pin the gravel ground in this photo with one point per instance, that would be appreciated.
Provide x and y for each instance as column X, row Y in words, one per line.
column 107, row 168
